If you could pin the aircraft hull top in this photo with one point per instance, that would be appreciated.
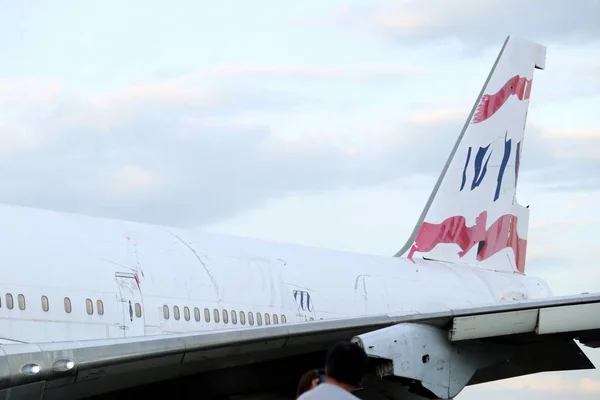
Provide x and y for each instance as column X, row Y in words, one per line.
column 79, row 257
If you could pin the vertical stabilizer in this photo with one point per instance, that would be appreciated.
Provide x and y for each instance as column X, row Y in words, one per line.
column 472, row 215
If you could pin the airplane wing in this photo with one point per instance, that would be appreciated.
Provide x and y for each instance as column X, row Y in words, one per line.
column 438, row 352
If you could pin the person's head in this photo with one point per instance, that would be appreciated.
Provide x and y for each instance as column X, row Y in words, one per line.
column 346, row 364
column 308, row 381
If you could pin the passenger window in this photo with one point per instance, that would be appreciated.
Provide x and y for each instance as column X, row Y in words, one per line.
column 258, row 319
column 176, row 313
column 89, row 306
column 275, row 319
column 216, row 315
column 186, row 313
column 138, row 310
column 21, row 301
column 233, row 317
column 242, row 318
column 45, row 304
column 100, row 307
column 207, row 315
column 9, row 301
column 225, row 317
column 68, row 305
column 166, row 311
column 283, row 319
column 250, row 318
column 267, row 319
column 197, row 313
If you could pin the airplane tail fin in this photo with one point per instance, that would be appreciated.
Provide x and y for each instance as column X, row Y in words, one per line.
column 472, row 215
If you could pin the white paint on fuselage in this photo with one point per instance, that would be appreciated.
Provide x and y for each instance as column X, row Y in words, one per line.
column 46, row 253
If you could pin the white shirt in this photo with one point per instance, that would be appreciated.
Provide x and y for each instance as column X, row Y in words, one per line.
column 327, row 391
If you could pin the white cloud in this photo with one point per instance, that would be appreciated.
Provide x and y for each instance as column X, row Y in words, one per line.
column 133, row 179
column 28, row 92
column 572, row 133
column 480, row 23
column 311, row 72
column 18, row 138
column 247, row 133
column 443, row 115
column 167, row 144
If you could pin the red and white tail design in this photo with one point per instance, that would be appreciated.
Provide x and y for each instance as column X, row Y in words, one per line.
column 472, row 215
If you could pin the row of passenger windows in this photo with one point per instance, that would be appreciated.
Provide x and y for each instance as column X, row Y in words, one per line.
column 89, row 304
column 227, row 316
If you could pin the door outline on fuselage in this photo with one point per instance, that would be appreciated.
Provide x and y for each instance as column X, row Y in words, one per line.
column 129, row 295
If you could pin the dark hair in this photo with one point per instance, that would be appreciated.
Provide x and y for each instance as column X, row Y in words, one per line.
column 305, row 383
column 346, row 363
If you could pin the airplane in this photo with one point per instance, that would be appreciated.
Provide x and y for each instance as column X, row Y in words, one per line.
column 95, row 305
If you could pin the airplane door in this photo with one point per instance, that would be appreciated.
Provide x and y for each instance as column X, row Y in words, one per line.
column 131, row 302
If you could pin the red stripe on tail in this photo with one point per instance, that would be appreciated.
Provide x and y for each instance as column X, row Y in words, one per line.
column 500, row 235
column 491, row 103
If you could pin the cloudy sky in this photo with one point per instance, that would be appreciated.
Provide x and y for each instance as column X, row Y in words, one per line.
column 316, row 122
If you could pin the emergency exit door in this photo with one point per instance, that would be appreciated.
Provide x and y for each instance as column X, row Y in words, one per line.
column 131, row 303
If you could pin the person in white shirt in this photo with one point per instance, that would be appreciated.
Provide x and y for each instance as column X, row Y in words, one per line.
column 345, row 368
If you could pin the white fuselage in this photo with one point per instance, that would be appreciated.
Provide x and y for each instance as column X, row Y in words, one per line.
column 52, row 263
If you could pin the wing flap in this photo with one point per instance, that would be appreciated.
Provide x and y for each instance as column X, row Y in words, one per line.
column 494, row 324
column 578, row 317
column 545, row 318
